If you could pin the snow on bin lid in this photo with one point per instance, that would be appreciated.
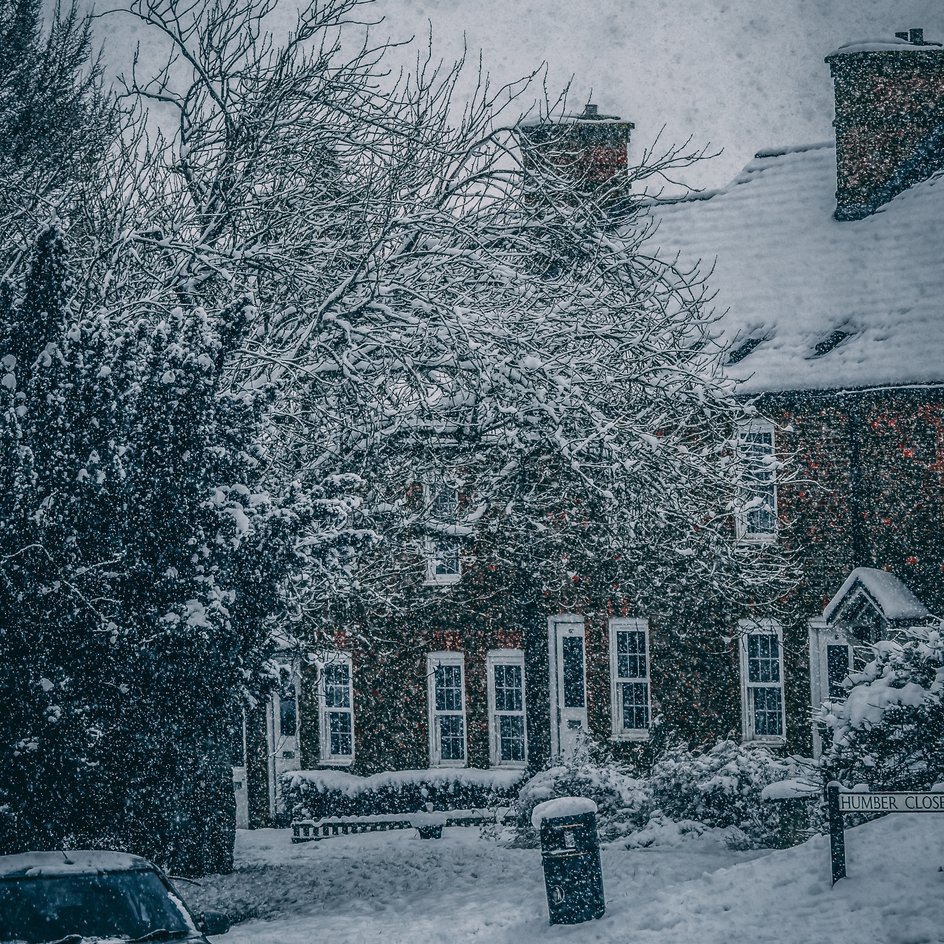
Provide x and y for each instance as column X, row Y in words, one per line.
column 562, row 806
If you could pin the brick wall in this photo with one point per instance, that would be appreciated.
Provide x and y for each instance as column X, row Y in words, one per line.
column 869, row 493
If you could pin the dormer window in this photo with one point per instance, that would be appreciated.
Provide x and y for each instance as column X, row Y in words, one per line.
column 831, row 342
column 442, row 550
column 743, row 349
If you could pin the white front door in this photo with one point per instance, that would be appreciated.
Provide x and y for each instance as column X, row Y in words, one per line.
column 283, row 740
column 568, row 683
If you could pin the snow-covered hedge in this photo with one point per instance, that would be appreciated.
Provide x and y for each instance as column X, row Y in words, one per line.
column 889, row 731
column 314, row 794
column 723, row 787
column 720, row 788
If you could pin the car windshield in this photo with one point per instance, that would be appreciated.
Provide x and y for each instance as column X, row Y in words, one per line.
column 130, row 904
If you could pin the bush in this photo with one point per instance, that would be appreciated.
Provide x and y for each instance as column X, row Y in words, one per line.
column 621, row 798
column 889, row 731
column 314, row 794
column 722, row 787
column 685, row 794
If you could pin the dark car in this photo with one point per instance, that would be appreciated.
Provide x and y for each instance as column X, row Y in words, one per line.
column 84, row 895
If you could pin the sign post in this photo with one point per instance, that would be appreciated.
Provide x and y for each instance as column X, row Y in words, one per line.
column 837, row 835
column 840, row 801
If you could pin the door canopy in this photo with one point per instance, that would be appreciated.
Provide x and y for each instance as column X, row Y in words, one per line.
column 870, row 602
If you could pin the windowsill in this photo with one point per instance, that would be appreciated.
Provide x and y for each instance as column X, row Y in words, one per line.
column 336, row 762
column 442, row 581
column 457, row 764
column 775, row 740
column 758, row 538
column 638, row 735
column 509, row 764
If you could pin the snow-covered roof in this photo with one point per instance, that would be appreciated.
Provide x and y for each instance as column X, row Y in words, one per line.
column 895, row 601
column 69, row 862
column 812, row 303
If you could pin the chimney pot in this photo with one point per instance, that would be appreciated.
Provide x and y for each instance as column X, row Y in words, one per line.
column 590, row 111
column 902, row 35
column 916, row 36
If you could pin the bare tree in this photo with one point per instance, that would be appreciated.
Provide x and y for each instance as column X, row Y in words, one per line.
column 433, row 302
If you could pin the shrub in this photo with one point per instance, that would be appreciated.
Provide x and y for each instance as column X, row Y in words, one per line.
column 621, row 798
column 889, row 731
column 722, row 787
column 314, row 794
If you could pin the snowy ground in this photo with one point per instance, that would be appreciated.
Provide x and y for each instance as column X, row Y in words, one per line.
column 393, row 888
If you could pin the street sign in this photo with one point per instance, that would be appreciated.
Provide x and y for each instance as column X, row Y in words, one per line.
column 891, row 802
column 840, row 801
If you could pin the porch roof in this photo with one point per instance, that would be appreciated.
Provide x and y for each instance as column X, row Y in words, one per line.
column 891, row 598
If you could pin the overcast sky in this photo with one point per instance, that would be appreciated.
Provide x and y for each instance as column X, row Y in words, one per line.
column 740, row 74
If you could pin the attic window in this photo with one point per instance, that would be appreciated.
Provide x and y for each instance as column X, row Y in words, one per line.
column 740, row 352
column 831, row 342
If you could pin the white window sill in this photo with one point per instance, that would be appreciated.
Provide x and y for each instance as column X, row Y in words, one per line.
column 758, row 538
column 777, row 740
column 443, row 581
column 336, row 762
column 637, row 735
column 457, row 764
column 509, row 764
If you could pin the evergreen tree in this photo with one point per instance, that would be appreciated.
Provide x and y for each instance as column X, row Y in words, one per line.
column 55, row 120
column 40, row 313
column 141, row 563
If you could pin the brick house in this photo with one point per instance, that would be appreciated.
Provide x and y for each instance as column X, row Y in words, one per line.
column 826, row 261
column 827, row 264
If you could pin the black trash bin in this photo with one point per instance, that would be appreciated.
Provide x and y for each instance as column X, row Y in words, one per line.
column 573, row 877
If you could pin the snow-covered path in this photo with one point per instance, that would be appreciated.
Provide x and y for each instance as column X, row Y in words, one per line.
column 392, row 888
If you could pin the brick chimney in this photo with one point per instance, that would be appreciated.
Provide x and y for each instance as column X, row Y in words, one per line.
column 590, row 149
column 889, row 119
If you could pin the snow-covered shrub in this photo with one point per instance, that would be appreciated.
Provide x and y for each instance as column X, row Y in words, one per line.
column 621, row 798
column 313, row 794
column 889, row 731
column 721, row 787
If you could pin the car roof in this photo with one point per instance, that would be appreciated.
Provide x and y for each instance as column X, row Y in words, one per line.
column 69, row 862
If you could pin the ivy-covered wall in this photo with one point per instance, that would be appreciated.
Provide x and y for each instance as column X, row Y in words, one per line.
column 862, row 486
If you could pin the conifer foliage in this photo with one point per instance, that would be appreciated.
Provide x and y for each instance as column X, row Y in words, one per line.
column 55, row 121
column 139, row 563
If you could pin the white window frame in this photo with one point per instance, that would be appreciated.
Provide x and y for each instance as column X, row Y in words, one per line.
column 324, row 711
column 436, row 759
column 742, row 519
column 494, row 659
column 619, row 732
column 764, row 627
column 437, row 547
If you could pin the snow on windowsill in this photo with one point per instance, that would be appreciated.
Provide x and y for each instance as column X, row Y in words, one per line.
column 629, row 736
